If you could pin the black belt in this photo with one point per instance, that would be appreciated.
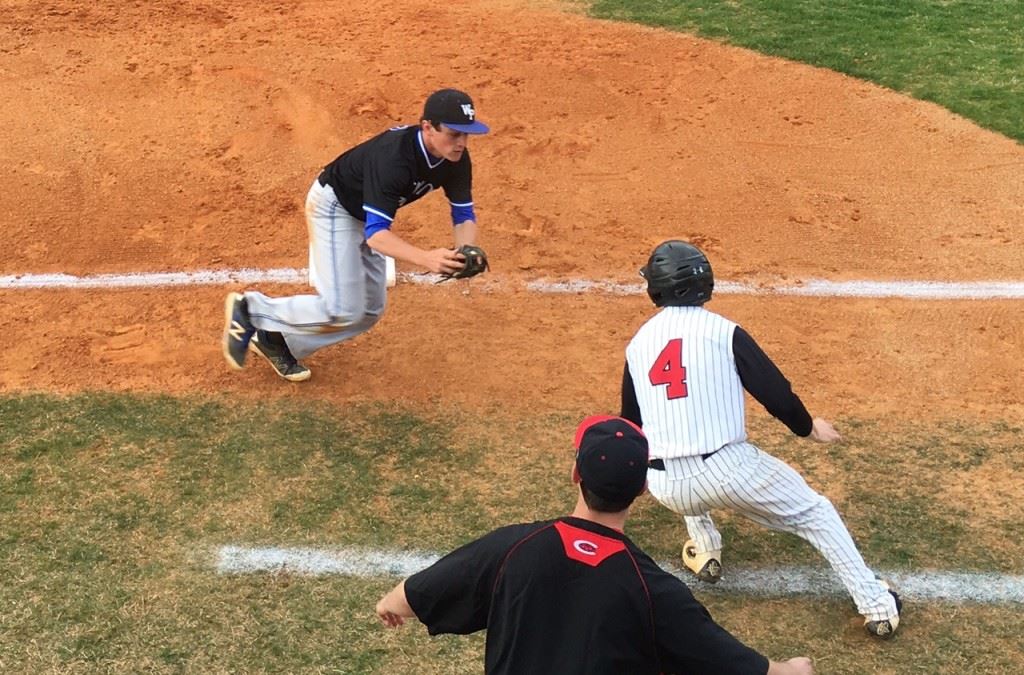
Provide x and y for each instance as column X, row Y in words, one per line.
column 658, row 464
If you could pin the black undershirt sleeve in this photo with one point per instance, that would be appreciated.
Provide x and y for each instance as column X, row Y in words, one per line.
column 630, row 407
column 766, row 383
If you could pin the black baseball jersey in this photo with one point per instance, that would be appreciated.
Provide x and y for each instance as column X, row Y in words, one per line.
column 570, row 596
column 393, row 169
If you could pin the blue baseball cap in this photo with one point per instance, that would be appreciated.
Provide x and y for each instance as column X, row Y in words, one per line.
column 454, row 109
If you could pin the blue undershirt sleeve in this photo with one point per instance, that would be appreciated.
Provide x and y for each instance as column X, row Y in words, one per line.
column 461, row 213
column 375, row 223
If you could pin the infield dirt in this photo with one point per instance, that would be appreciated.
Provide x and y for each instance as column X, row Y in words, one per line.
column 183, row 136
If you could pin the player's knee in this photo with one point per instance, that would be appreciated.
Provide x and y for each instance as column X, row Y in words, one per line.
column 359, row 322
column 366, row 322
column 375, row 308
column 818, row 509
column 340, row 318
column 339, row 321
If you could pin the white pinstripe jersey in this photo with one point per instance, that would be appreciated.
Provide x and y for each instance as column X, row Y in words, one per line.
column 687, row 386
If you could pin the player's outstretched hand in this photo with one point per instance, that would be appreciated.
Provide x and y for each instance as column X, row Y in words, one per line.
column 443, row 261
column 389, row 619
column 823, row 431
column 386, row 611
column 393, row 609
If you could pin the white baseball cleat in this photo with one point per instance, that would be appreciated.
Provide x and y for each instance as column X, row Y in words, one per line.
column 707, row 566
column 884, row 629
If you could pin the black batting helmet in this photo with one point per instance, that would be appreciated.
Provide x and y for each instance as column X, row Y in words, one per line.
column 678, row 274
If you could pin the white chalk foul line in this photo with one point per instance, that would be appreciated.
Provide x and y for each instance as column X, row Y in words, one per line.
column 821, row 288
column 922, row 290
column 317, row 561
column 144, row 279
column 765, row 582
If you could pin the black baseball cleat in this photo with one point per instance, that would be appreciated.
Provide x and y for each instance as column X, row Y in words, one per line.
column 238, row 330
column 274, row 349
column 886, row 628
column 707, row 566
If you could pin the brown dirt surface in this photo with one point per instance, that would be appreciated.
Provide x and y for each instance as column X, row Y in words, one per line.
column 145, row 137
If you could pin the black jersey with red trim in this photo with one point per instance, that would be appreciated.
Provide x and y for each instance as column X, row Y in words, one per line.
column 393, row 169
column 571, row 596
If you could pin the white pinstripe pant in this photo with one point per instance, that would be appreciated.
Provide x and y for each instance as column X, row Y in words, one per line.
column 765, row 489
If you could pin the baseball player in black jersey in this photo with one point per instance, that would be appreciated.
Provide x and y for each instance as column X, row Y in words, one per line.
column 574, row 594
column 349, row 211
column 685, row 374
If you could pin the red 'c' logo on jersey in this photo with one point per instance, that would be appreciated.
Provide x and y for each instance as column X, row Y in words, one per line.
column 587, row 547
column 668, row 370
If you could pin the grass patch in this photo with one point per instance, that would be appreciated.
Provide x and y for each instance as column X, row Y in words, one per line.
column 965, row 56
column 111, row 507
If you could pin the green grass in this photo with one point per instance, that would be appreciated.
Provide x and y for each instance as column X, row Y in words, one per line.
column 111, row 508
column 966, row 56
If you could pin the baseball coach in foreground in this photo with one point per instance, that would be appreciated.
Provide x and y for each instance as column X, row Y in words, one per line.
column 574, row 595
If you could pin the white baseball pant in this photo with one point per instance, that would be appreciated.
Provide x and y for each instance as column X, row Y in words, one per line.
column 768, row 491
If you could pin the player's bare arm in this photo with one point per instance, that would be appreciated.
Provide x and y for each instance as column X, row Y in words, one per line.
column 465, row 233
column 438, row 260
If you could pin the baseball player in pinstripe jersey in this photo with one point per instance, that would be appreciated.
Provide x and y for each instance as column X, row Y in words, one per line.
column 349, row 210
column 684, row 380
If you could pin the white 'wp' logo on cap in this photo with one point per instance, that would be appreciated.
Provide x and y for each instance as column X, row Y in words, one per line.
column 467, row 110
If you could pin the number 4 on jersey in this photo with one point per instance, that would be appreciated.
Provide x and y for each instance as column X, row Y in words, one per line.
column 668, row 369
